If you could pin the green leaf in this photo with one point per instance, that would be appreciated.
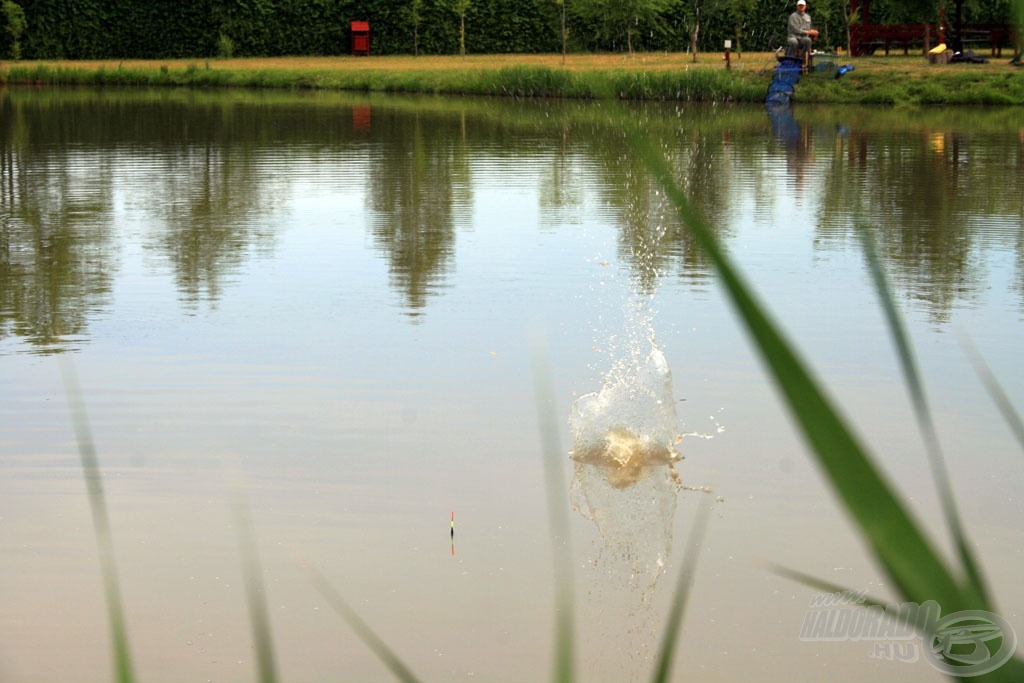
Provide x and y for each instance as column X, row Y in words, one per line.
column 362, row 629
column 558, row 515
column 120, row 650
column 663, row 667
column 922, row 412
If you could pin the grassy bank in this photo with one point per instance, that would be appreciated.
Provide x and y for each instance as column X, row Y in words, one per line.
column 661, row 76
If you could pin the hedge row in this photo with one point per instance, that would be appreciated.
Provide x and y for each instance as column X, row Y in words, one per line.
column 157, row 29
column 113, row 29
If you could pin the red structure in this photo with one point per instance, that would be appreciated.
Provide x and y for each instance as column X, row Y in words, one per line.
column 866, row 37
column 361, row 38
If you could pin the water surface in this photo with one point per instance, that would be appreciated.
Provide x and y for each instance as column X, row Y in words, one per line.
column 326, row 302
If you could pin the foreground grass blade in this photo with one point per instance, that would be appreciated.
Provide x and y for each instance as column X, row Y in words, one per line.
column 995, row 391
column 558, row 514
column 923, row 414
column 1010, row 672
column 255, row 594
column 362, row 629
column 120, row 651
column 663, row 668
column 820, row 584
column 908, row 558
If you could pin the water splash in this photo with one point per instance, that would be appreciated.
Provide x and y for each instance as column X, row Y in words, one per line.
column 624, row 479
column 624, row 455
column 630, row 424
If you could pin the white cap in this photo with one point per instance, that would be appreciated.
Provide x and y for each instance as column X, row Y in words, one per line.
column 801, row 2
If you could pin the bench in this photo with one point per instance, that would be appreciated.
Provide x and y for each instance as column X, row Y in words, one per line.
column 995, row 36
column 865, row 39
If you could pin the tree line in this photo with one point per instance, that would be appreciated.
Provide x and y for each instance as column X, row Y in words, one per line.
column 168, row 29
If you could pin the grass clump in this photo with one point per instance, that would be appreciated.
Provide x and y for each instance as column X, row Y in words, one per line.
column 534, row 81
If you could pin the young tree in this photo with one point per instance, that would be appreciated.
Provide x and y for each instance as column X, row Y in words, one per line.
column 416, row 4
column 694, row 14
column 565, row 34
column 461, row 6
column 739, row 11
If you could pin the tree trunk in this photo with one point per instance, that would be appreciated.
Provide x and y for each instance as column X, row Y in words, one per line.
column 564, row 36
column 415, row 28
column 693, row 40
column 462, row 34
column 847, row 15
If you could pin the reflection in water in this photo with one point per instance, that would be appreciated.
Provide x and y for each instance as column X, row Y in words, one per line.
column 211, row 221
column 57, row 254
column 414, row 190
column 938, row 223
column 797, row 142
column 205, row 179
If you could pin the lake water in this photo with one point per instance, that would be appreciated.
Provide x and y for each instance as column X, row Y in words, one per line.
column 322, row 305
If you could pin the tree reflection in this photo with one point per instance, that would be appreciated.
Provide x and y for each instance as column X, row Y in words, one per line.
column 419, row 179
column 562, row 191
column 57, row 256
column 931, row 202
column 215, row 210
column 707, row 166
column 208, row 173
column 652, row 239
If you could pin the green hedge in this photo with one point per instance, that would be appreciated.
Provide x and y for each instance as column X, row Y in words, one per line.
column 155, row 29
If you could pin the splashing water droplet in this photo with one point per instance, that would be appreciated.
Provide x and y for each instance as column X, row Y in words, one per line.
column 624, row 479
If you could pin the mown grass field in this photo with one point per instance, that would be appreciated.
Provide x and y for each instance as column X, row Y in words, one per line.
column 910, row 65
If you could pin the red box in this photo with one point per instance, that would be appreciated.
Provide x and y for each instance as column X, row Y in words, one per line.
column 361, row 38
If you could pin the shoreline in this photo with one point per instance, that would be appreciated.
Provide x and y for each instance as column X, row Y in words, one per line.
column 880, row 80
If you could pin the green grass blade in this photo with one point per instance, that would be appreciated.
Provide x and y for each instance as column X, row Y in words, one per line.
column 362, row 629
column 663, row 667
column 120, row 650
column 909, row 559
column 255, row 594
column 558, row 513
column 923, row 414
column 820, row 584
column 995, row 390
column 1011, row 671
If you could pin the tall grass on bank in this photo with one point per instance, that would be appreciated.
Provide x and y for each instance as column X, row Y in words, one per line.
column 692, row 85
column 913, row 564
column 877, row 80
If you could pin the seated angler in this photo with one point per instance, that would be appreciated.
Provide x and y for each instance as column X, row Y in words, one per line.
column 800, row 33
